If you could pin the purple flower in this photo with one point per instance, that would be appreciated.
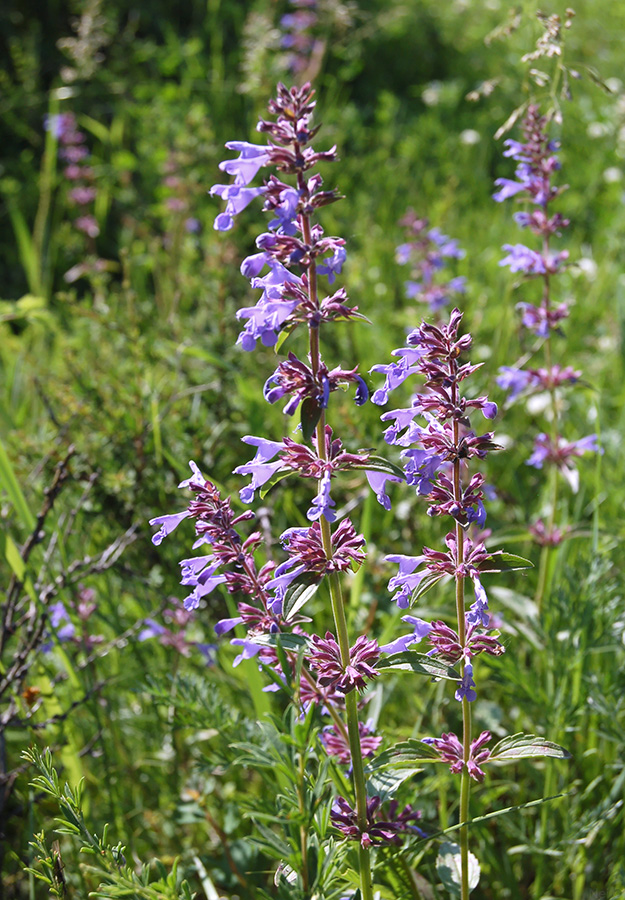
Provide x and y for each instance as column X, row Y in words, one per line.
column 251, row 158
column 522, row 259
column 407, row 579
column 325, row 658
column 58, row 614
column 237, row 197
column 323, row 503
column 87, row 224
column 396, row 372
column 378, row 830
column 151, row 629
column 452, row 752
column 421, row 630
column 466, row 687
column 515, row 381
column 167, row 525
column 507, row 188
column 562, row 453
column 272, row 310
column 260, row 467
column 377, row 483
column 333, row 265
column 204, row 583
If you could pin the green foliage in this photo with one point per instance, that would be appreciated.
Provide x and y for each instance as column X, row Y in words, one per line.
column 124, row 349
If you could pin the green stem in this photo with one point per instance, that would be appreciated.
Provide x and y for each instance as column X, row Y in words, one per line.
column 465, row 783
column 338, row 606
column 303, row 834
column 351, row 709
column 465, row 786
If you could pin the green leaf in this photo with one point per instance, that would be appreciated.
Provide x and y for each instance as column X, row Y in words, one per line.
column 284, row 333
column 384, row 784
column 449, row 868
column 310, row 415
column 278, row 476
column 11, row 485
column 426, row 583
column 299, row 593
column 402, row 755
column 291, row 642
column 97, row 129
column 379, row 464
column 504, row 562
column 26, row 248
column 517, row 746
column 412, row 661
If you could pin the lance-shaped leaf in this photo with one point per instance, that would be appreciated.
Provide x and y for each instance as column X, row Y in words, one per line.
column 290, row 642
column 299, row 593
column 504, row 562
column 405, row 754
column 411, row 661
column 379, row 464
column 310, row 415
column 426, row 583
column 517, row 746
column 275, row 478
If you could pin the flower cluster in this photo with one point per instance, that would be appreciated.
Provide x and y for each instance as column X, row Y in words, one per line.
column 438, row 468
column 336, row 742
column 378, row 830
column 297, row 37
column 326, row 660
column 64, row 625
column 318, row 463
column 537, row 163
column 75, row 154
column 174, row 633
column 451, row 751
column 425, row 250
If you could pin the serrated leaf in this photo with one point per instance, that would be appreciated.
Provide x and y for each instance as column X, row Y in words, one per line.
column 449, row 868
column 405, row 753
column 412, row 661
column 504, row 562
column 291, row 642
column 310, row 413
column 518, row 746
column 299, row 593
column 379, row 464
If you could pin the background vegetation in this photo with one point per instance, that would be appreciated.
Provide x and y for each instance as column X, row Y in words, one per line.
column 118, row 364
